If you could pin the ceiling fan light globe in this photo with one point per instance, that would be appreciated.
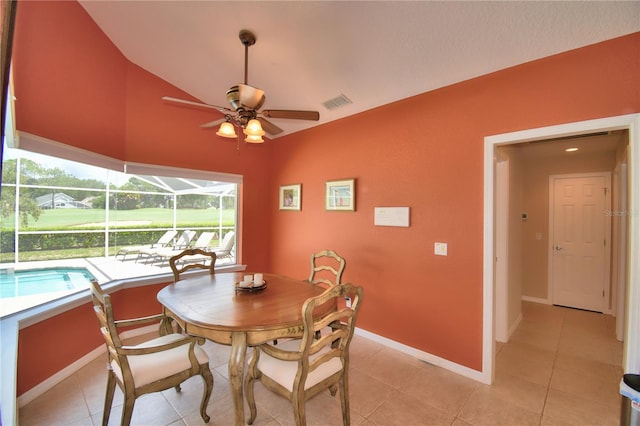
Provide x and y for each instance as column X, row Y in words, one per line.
column 254, row 128
column 226, row 130
column 254, row 139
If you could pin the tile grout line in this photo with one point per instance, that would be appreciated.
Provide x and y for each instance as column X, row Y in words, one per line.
column 553, row 367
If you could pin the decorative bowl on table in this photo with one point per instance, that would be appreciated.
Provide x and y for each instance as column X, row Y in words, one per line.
column 250, row 286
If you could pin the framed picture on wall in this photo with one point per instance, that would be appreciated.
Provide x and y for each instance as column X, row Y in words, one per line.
column 340, row 195
column 290, row 196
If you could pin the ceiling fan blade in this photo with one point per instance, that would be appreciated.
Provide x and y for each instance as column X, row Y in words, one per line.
column 196, row 104
column 269, row 127
column 292, row 114
column 213, row 123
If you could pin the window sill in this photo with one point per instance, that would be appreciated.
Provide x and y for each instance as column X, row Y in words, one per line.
column 11, row 324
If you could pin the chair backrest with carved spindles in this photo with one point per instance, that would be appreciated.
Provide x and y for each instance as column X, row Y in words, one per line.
column 327, row 268
column 192, row 259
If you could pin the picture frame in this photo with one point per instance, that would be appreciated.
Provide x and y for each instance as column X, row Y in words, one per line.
column 340, row 195
column 290, row 197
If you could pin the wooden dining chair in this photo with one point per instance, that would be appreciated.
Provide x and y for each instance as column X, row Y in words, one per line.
column 327, row 268
column 195, row 259
column 155, row 365
column 301, row 368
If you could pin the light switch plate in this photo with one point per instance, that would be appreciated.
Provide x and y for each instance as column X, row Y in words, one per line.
column 440, row 249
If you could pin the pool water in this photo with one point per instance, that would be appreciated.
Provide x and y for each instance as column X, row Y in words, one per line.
column 39, row 281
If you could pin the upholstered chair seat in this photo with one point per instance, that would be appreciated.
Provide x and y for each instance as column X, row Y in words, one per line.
column 152, row 367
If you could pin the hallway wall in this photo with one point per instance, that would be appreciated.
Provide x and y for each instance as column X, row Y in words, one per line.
column 535, row 251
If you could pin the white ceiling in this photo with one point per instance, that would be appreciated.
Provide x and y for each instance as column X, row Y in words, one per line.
column 601, row 143
column 308, row 52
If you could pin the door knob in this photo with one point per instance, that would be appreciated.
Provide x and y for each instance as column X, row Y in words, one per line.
column 558, row 248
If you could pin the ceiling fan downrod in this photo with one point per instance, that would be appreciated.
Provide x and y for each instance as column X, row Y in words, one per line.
column 247, row 38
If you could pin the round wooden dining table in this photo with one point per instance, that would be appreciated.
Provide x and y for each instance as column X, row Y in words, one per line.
column 213, row 307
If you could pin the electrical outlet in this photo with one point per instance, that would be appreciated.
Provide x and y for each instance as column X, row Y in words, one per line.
column 347, row 301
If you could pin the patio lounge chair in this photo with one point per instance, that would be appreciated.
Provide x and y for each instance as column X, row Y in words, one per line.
column 183, row 242
column 164, row 254
column 162, row 242
column 224, row 251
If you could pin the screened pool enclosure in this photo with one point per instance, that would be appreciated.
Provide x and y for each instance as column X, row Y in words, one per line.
column 53, row 208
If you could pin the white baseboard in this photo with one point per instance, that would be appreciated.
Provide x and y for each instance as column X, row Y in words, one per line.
column 424, row 356
column 536, row 300
column 72, row 368
column 515, row 325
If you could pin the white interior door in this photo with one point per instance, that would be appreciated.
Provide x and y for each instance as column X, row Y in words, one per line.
column 579, row 237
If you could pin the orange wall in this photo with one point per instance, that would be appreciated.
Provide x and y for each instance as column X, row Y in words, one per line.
column 425, row 152
column 73, row 86
column 48, row 45
column 69, row 336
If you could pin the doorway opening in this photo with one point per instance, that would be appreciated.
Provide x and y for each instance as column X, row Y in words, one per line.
column 624, row 302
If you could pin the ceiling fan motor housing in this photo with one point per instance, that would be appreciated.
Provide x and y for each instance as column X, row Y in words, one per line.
column 245, row 96
column 233, row 97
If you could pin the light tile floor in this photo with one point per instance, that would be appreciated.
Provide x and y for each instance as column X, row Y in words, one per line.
column 561, row 367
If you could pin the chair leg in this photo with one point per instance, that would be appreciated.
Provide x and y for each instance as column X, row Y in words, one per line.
column 127, row 409
column 299, row 413
column 208, row 387
column 108, row 397
column 344, row 399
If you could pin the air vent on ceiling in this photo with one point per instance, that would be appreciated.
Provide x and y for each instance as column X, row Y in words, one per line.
column 337, row 102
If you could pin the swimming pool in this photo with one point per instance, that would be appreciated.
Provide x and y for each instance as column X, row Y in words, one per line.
column 39, row 281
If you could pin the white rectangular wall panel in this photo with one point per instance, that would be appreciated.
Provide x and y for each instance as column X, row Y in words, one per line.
column 391, row 216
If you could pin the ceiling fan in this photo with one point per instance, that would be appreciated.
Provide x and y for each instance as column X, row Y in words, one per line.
column 246, row 102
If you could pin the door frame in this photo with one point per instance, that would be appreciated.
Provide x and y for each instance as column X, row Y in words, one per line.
column 502, row 250
column 620, row 246
column 606, row 309
column 630, row 122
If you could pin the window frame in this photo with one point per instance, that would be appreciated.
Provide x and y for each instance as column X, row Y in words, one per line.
column 37, row 144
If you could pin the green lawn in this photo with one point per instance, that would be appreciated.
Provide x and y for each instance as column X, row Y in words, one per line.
column 143, row 218
column 78, row 219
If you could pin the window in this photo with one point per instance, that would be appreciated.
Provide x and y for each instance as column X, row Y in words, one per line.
column 55, row 209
